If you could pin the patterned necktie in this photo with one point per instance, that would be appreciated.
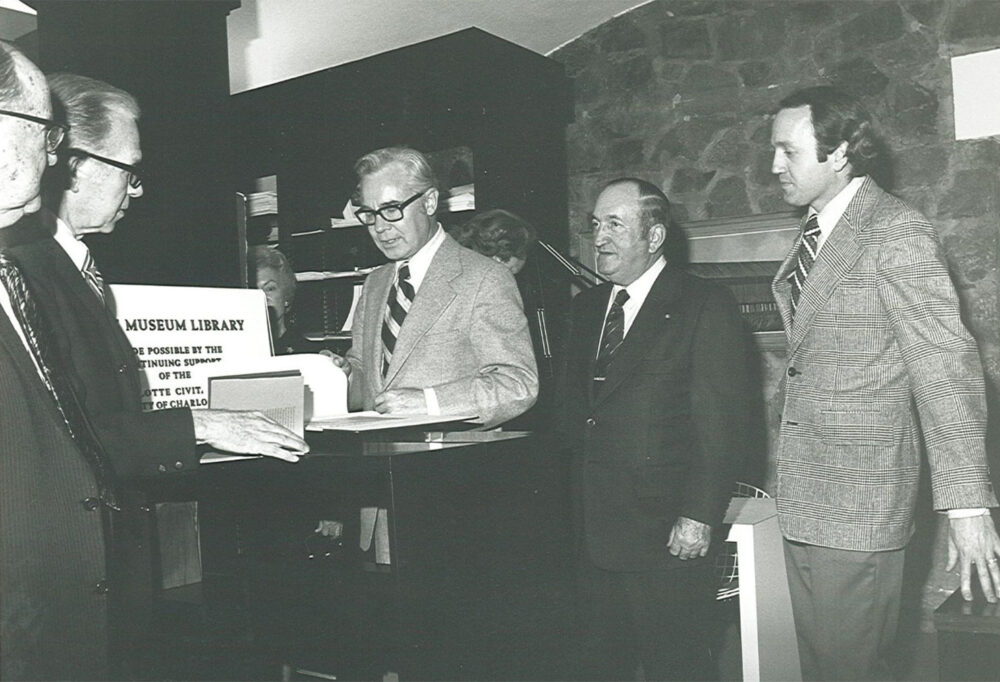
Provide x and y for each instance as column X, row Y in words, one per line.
column 613, row 334
column 806, row 257
column 37, row 335
column 93, row 276
column 400, row 299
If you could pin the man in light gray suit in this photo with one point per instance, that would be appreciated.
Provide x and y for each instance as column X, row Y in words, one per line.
column 878, row 362
column 441, row 329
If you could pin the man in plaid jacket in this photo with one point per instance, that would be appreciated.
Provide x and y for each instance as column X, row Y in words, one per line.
column 879, row 365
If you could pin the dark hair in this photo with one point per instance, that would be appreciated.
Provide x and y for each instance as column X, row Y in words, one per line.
column 654, row 209
column 497, row 233
column 837, row 117
column 11, row 88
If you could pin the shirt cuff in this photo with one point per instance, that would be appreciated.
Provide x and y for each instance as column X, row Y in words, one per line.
column 967, row 513
column 430, row 397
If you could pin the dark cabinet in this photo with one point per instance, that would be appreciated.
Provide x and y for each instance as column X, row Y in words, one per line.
column 173, row 57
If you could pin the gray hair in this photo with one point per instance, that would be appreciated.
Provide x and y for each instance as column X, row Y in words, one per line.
column 11, row 87
column 90, row 106
column 417, row 167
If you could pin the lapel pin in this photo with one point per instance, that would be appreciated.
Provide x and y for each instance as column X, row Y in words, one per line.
column 666, row 316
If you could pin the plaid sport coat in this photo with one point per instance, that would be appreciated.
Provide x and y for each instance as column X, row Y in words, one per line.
column 878, row 364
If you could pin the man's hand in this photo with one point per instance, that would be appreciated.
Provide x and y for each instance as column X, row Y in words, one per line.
column 974, row 540
column 401, row 401
column 689, row 539
column 249, row 433
column 339, row 361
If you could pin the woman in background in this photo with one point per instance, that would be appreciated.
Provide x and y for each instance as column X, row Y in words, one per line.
column 273, row 275
column 507, row 238
column 500, row 235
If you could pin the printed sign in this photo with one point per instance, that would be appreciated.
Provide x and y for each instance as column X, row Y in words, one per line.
column 174, row 330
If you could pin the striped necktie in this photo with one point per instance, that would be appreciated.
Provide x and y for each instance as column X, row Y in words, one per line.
column 400, row 299
column 613, row 334
column 807, row 256
column 93, row 276
column 38, row 337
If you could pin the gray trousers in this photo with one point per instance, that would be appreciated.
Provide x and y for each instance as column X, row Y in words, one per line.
column 846, row 609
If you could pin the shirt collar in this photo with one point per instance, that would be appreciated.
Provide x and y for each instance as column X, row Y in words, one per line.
column 834, row 210
column 421, row 260
column 70, row 243
column 639, row 289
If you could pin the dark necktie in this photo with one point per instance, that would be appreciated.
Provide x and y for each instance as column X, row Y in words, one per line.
column 805, row 259
column 613, row 334
column 400, row 299
column 93, row 276
column 37, row 335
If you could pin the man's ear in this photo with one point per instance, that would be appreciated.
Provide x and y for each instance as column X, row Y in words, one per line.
column 72, row 167
column 430, row 200
column 839, row 154
column 657, row 235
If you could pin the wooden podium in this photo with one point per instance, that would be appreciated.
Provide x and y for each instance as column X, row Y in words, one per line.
column 767, row 630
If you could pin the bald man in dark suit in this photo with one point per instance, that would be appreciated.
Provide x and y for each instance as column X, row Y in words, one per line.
column 53, row 608
column 654, row 402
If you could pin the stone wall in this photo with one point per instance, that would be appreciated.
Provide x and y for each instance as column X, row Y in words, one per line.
column 682, row 92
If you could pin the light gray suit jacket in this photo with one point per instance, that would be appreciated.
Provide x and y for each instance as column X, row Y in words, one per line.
column 877, row 356
column 465, row 336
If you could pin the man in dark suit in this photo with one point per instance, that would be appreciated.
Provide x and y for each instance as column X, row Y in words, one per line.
column 53, row 610
column 90, row 189
column 879, row 367
column 653, row 404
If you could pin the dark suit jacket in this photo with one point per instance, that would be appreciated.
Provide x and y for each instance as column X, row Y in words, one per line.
column 105, row 376
column 53, row 614
column 661, row 437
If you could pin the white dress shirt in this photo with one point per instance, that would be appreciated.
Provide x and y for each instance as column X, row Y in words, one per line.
column 833, row 211
column 637, row 293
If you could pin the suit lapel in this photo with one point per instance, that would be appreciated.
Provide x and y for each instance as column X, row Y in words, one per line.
column 591, row 325
column 378, row 284
column 648, row 329
column 781, row 289
column 435, row 295
column 836, row 258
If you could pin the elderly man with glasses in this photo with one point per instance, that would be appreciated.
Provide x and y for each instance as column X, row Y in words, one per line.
column 88, row 191
column 53, row 614
column 440, row 329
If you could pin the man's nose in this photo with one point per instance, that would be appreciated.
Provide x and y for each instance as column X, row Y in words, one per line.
column 777, row 164
column 135, row 192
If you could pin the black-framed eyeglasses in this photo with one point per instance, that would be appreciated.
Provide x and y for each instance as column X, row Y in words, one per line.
column 55, row 132
column 134, row 172
column 392, row 213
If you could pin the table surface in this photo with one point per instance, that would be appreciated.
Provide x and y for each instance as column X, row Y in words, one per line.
column 958, row 615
